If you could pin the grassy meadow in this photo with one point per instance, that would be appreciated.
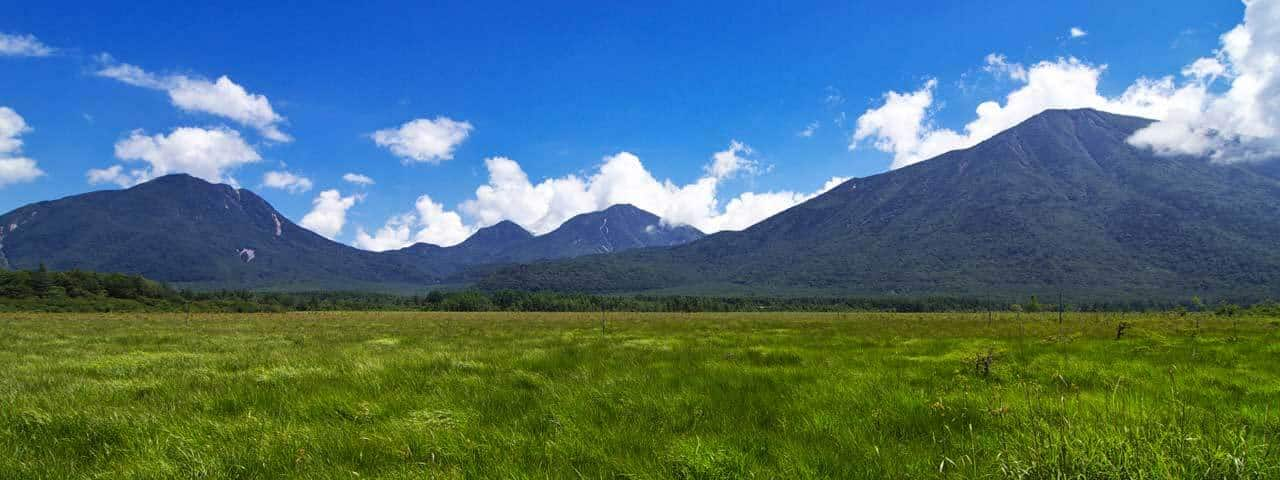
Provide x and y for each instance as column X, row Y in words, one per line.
column 524, row 395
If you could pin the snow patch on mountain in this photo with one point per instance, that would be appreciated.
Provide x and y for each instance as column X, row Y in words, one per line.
column 247, row 254
column 607, row 246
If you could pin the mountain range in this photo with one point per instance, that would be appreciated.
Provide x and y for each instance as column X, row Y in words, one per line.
column 1059, row 203
column 189, row 232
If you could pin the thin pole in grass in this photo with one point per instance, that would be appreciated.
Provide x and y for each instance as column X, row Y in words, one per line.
column 1060, row 307
column 1017, row 318
column 988, row 302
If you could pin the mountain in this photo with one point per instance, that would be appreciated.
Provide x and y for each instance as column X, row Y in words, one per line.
column 192, row 233
column 486, row 245
column 1058, row 203
column 184, row 230
column 615, row 229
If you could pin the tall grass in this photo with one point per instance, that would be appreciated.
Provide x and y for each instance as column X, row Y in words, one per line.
column 413, row 395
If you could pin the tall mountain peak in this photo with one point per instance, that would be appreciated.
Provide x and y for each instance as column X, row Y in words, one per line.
column 1060, row 202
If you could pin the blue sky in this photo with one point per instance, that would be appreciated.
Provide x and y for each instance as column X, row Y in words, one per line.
column 556, row 88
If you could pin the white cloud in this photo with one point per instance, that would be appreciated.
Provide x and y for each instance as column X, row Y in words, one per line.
column 809, row 130
column 221, row 97
column 357, row 179
column 903, row 125
column 206, row 153
column 18, row 170
column 1077, row 32
column 620, row 178
column 1238, row 123
column 999, row 65
column 440, row 227
column 510, row 196
column 23, row 46
column 1241, row 123
column 329, row 213
column 116, row 174
column 436, row 226
column 14, row 168
column 1205, row 69
column 424, row 140
column 394, row 235
column 287, row 181
column 12, row 126
column 732, row 161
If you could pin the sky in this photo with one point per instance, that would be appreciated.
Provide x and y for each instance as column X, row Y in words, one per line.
column 379, row 124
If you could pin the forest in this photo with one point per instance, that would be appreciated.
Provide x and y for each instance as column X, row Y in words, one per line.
column 84, row 291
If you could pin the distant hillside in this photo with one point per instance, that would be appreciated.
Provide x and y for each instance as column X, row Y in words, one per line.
column 184, row 230
column 615, row 229
column 1058, row 203
column 189, row 232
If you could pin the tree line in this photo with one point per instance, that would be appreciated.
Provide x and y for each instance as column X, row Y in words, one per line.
column 82, row 291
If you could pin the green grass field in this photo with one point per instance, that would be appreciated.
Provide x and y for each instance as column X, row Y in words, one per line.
column 511, row 395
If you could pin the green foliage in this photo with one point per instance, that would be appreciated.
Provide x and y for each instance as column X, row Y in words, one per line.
column 80, row 291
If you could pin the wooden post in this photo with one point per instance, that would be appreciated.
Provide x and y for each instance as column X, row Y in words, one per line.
column 1061, row 307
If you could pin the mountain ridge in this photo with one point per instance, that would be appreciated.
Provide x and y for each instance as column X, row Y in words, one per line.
column 1059, row 202
column 583, row 234
column 184, row 230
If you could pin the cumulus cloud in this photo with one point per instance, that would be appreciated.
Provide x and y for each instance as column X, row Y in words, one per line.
column 434, row 225
column 1242, row 122
column 394, row 235
column 730, row 162
column 329, row 213
column 903, row 125
column 221, row 97
column 206, row 153
column 1077, row 32
column 357, row 179
column 13, row 167
column 621, row 178
column 510, row 195
column 18, row 170
column 12, row 126
column 15, row 45
column 286, row 181
column 1238, row 122
column 424, row 140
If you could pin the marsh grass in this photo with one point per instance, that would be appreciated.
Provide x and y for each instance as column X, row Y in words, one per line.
column 521, row 395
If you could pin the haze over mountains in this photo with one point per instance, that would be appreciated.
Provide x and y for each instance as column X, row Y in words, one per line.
column 1061, row 202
